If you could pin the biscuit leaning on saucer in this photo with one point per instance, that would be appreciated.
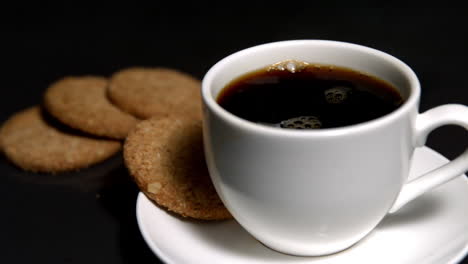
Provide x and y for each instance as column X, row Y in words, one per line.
column 30, row 141
column 82, row 103
column 148, row 92
column 165, row 158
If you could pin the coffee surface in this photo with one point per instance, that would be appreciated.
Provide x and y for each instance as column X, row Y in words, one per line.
column 300, row 95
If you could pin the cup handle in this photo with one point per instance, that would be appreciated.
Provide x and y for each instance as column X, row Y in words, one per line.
column 451, row 114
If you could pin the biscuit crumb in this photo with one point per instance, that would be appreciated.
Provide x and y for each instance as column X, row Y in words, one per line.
column 154, row 187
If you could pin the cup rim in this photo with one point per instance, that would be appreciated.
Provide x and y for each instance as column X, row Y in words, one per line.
column 210, row 102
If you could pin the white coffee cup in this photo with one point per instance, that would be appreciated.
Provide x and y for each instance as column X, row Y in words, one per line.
column 318, row 192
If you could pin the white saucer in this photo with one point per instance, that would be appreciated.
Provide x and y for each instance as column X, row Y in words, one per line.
column 431, row 229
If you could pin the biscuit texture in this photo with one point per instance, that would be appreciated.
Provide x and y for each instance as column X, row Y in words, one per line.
column 32, row 143
column 165, row 158
column 82, row 103
column 148, row 92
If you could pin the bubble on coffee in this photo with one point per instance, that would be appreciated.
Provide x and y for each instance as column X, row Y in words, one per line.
column 337, row 94
column 301, row 122
column 288, row 65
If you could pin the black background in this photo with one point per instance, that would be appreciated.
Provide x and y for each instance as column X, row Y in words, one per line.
column 89, row 217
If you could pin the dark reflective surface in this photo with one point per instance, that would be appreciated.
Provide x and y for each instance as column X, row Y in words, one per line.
column 89, row 216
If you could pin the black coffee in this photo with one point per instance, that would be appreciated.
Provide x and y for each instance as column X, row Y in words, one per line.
column 306, row 96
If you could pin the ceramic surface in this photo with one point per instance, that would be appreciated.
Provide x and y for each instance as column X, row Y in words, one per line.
column 431, row 229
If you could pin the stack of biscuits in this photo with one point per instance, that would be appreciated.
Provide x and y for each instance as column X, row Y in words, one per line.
column 155, row 113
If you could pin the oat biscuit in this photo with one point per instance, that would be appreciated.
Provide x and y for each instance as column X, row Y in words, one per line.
column 147, row 92
column 32, row 143
column 82, row 103
column 165, row 157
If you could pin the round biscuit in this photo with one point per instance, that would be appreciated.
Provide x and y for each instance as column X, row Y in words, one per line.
column 165, row 157
column 30, row 141
column 82, row 103
column 148, row 92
